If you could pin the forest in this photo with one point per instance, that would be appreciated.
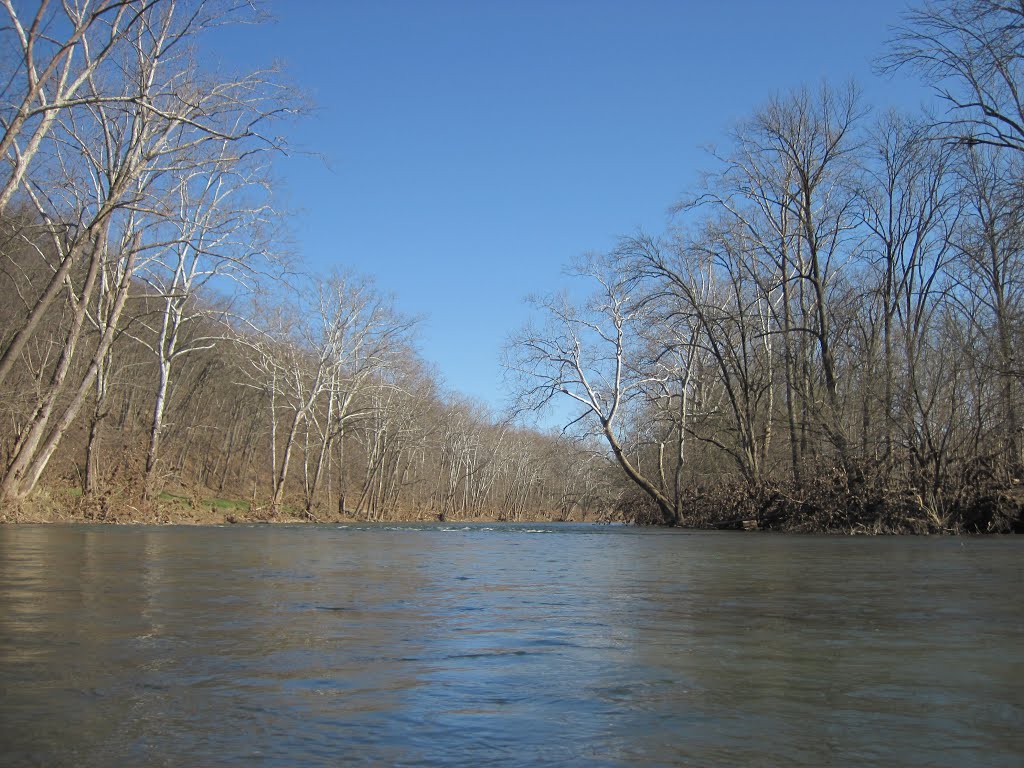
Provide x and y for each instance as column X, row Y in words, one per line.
column 825, row 337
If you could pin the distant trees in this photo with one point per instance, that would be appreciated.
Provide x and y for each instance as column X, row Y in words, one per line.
column 136, row 226
column 311, row 360
column 314, row 406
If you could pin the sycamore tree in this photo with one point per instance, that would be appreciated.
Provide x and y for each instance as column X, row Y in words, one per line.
column 96, row 165
column 585, row 355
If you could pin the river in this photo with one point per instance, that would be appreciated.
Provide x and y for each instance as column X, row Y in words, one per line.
column 519, row 645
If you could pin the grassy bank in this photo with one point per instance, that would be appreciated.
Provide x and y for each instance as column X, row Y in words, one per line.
column 186, row 507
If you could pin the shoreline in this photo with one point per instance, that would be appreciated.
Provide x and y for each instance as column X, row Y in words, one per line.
column 202, row 507
column 208, row 512
column 169, row 518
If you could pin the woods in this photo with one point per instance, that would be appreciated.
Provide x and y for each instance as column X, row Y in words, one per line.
column 156, row 342
column 825, row 337
column 828, row 335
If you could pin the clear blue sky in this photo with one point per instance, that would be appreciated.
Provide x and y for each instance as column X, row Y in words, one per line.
column 475, row 146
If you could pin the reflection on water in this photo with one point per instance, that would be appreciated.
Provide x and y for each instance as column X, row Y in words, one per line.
column 517, row 646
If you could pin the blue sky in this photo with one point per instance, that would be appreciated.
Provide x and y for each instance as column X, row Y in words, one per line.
column 474, row 147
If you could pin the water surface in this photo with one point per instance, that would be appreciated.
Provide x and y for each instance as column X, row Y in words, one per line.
column 508, row 646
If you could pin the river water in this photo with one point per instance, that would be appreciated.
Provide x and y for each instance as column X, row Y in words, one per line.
column 507, row 646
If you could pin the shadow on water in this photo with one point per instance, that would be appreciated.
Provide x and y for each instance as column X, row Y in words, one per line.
column 506, row 645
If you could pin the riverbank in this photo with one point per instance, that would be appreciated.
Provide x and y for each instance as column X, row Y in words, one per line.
column 722, row 507
column 863, row 509
column 192, row 507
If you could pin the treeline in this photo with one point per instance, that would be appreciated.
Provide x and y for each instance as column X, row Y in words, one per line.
column 829, row 336
column 155, row 343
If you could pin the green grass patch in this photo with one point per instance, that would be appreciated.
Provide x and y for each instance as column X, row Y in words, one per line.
column 175, row 498
column 230, row 504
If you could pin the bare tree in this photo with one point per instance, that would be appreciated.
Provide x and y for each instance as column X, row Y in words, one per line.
column 103, row 181
column 909, row 207
column 61, row 49
column 369, row 334
column 214, row 235
column 990, row 244
column 785, row 183
column 972, row 52
column 336, row 334
column 585, row 355
column 713, row 314
column 142, row 111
